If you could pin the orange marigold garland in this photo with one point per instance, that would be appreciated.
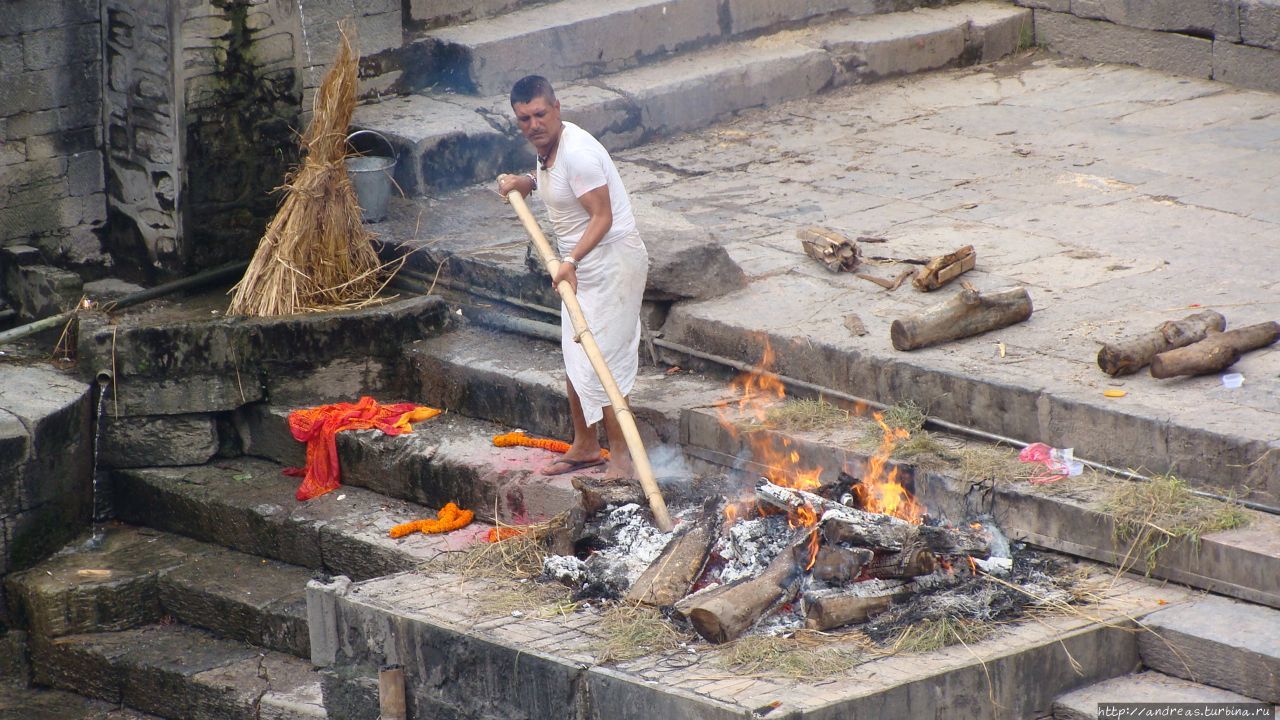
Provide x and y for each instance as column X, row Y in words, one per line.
column 498, row 534
column 450, row 518
column 519, row 438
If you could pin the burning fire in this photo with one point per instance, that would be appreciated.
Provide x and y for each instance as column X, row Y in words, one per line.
column 880, row 492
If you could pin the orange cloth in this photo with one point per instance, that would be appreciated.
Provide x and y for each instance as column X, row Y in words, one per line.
column 499, row 534
column 518, row 437
column 319, row 426
column 450, row 518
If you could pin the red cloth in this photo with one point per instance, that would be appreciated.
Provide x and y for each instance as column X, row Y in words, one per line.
column 318, row 427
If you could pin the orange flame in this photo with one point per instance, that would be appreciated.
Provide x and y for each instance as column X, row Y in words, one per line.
column 880, row 491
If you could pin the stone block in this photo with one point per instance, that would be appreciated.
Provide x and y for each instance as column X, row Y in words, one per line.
column 38, row 291
column 322, row 618
column 108, row 289
column 1252, row 67
column 10, row 55
column 996, row 32
column 85, row 173
column 610, row 117
column 1193, row 16
column 1106, row 42
column 264, row 433
column 272, row 50
column 1054, row 5
column 157, row 441
column 1259, row 22
column 138, row 396
column 15, row 661
column 437, row 13
column 1143, row 687
column 12, row 152
column 27, row 124
column 685, row 261
column 61, row 46
column 899, row 44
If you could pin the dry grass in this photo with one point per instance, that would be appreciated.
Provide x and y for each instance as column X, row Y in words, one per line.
column 805, row 655
column 983, row 463
column 315, row 253
column 632, row 630
column 936, row 633
column 1151, row 516
column 795, row 415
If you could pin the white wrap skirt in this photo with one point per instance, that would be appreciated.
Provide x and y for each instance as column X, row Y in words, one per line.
column 611, row 280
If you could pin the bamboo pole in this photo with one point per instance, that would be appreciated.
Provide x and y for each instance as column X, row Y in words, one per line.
column 620, row 408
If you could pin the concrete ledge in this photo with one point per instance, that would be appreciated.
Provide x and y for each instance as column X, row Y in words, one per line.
column 1242, row 563
column 151, row 441
column 45, row 703
column 534, row 667
column 1246, row 66
column 1217, row 642
column 1106, row 42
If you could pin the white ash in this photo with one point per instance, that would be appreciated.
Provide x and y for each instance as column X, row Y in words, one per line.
column 750, row 545
column 565, row 568
column 631, row 545
column 998, row 566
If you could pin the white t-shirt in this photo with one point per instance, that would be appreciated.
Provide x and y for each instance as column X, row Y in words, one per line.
column 582, row 164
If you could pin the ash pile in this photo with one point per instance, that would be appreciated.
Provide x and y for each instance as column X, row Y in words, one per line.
column 788, row 558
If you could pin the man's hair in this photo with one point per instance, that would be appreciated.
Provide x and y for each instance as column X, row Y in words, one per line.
column 532, row 86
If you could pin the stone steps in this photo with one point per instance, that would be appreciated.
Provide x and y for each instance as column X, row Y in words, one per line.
column 1219, row 642
column 182, row 673
column 247, row 504
column 139, row 576
column 576, row 39
column 445, row 140
column 1143, row 687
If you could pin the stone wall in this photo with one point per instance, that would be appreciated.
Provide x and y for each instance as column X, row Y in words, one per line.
column 1235, row 41
column 51, row 169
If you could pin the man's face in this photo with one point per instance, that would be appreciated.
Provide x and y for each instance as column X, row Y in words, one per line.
column 539, row 122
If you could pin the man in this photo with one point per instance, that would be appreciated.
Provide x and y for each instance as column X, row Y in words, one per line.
column 602, row 258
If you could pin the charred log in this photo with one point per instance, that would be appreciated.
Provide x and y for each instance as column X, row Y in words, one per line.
column 839, row 565
column 671, row 575
column 908, row 563
column 828, row 609
column 840, row 523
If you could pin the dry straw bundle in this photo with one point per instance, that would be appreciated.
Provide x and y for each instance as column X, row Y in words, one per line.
column 316, row 253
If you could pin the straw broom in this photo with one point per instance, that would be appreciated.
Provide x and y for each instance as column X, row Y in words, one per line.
column 316, row 253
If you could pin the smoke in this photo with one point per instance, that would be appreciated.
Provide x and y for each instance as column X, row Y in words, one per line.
column 669, row 464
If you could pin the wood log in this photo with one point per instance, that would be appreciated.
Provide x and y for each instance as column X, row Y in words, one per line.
column 885, row 283
column 839, row 565
column 391, row 700
column 968, row 313
column 598, row 492
column 944, row 268
column 905, row 564
column 1215, row 352
column 1130, row 355
column 669, row 577
column 837, row 607
column 835, row 251
column 723, row 613
column 966, row 540
column 849, row 525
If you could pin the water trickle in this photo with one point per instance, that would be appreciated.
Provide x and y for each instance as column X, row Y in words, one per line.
column 306, row 46
column 95, row 539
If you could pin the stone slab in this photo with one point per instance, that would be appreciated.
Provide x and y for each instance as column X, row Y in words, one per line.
column 152, row 441
column 175, row 671
column 22, row 703
column 247, row 505
column 881, row 46
column 1242, row 563
column 747, row 16
column 1106, row 42
column 1218, row 642
column 1259, row 22
column 1250, row 67
column 407, row 619
column 111, row 588
column 1143, row 687
column 241, row 597
column 582, row 38
column 1191, row 17
column 694, row 90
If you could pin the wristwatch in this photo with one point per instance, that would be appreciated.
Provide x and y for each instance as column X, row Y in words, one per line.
column 571, row 260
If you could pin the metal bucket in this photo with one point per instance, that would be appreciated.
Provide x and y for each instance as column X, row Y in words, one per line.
column 371, row 177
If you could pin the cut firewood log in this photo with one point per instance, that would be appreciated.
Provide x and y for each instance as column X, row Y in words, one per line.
column 670, row 576
column 1215, row 352
column 1130, row 355
column 835, row 251
column 837, row 607
column 723, row 613
column 886, row 283
column 905, row 564
column 971, row 541
column 598, row 493
column 839, row 565
column 944, row 268
column 968, row 313
column 840, row 523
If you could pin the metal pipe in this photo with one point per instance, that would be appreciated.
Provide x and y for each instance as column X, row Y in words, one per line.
column 524, row 327
column 208, row 277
